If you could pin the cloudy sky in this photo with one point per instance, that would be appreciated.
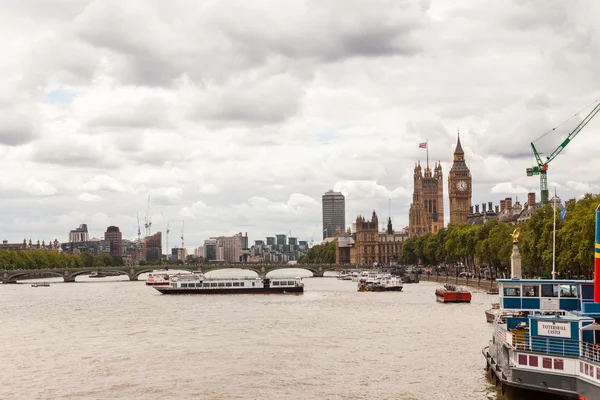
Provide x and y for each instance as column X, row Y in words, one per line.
column 236, row 116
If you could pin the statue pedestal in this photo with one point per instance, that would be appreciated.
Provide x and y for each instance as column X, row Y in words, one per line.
column 515, row 262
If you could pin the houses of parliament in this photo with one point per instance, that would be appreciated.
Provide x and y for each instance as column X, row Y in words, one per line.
column 426, row 212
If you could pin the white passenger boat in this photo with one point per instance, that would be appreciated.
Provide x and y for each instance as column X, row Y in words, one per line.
column 199, row 284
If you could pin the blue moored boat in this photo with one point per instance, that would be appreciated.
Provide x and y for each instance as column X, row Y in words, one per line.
column 550, row 340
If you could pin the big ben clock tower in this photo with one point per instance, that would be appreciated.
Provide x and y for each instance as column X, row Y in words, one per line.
column 460, row 187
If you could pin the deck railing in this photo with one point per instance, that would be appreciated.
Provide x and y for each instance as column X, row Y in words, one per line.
column 520, row 340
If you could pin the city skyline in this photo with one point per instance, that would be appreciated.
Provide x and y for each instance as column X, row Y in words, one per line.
column 246, row 130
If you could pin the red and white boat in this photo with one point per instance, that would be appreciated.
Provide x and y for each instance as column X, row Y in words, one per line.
column 452, row 294
column 159, row 278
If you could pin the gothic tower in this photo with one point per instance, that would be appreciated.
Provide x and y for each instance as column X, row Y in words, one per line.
column 427, row 208
column 459, row 187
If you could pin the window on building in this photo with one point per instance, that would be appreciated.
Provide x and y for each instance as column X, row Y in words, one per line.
column 531, row 290
column 549, row 290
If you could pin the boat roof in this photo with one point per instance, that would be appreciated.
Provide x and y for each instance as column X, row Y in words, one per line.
column 560, row 281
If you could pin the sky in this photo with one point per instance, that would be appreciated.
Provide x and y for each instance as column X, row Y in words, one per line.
column 236, row 116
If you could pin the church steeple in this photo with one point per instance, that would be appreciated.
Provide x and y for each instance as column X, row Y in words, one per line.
column 389, row 227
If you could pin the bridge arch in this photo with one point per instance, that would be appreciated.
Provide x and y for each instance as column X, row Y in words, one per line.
column 14, row 276
column 75, row 273
column 213, row 268
column 273, row 270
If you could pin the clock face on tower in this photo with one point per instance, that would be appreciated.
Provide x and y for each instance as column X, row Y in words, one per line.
column 461, row 185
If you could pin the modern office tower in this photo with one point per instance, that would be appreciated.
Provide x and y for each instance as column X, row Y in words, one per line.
column 334, row 213
column 115, row 237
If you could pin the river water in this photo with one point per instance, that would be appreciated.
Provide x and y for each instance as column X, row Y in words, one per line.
column 113, row 339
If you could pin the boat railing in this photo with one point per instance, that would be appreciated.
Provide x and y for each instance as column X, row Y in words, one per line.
column 520, row 340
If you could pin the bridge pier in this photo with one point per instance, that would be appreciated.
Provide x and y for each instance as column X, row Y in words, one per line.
column 5, row 277
column 132, row 275
column 66, row 276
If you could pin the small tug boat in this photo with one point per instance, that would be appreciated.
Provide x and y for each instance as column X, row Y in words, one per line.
column 452, row 294
column 199, row 284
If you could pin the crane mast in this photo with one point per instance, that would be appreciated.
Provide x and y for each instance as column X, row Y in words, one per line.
column 541, row 168
column 148, row 220
column 182, row 224
column 139, row 231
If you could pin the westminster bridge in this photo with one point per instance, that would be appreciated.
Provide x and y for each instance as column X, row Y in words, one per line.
column 133, row 272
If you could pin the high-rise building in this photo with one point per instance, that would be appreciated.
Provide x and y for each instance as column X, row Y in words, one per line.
column 210, row 249
column 153, row 247
column 460, row 187
column 115, row 238
column 334, row 213
column 79, row 235
column 427, row 208
column 229, row 248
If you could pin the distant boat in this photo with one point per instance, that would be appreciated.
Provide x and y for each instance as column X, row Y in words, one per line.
column 98, row 274
column 41, row 284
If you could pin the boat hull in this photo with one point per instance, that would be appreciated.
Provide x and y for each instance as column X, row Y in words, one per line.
column 287, row 290
column 452, row 297
column 490, row 315
column 166, row 283
column 385, row 289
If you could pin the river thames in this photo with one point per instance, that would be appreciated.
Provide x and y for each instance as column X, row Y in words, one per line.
column 111, row 339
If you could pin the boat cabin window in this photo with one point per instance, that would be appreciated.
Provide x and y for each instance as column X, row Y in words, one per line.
column 568, row 290
column 291, row 283
column 275, row 283
column 173, row 285
column 221, row 284
column 213, row 284
column 549, row 290
column 531, row 290
column 206, row 285
column 184, row 285
column 241, row 283
column 512, row 291
column 236, row 284
column 228, row 284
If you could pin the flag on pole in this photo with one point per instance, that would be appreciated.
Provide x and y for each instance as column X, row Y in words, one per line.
column 563, row 213
column 423, row 145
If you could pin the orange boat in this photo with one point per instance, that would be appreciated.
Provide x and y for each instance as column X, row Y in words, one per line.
column 452, row 294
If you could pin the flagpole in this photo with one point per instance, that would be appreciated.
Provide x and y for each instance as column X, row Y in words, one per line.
column 427, row 148
column 554, row 237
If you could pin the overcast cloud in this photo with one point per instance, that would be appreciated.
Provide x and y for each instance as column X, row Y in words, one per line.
column 236, row 116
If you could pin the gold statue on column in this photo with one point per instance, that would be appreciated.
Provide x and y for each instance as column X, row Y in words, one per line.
column 515, row 235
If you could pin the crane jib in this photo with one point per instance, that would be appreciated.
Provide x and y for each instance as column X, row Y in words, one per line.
column 542, row 167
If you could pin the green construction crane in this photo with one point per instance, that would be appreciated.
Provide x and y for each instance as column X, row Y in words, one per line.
column 542, row 166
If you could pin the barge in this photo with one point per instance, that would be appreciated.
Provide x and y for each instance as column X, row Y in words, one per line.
column 452, row 294
column 199, row 284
